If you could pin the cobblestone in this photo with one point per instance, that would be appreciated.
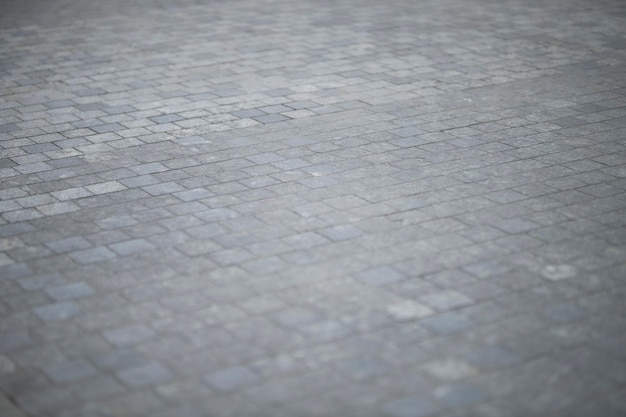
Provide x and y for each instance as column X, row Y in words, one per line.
column 312, row 208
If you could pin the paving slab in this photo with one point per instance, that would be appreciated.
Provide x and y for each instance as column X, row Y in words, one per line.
column 312, row 208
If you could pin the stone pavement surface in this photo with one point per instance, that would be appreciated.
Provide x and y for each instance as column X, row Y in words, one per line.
column 313, row 208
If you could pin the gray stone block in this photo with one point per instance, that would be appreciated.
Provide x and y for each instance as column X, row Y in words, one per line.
column 231, row 379
column 409, row 407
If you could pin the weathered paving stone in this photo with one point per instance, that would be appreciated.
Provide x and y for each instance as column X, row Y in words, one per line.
column 408, row 310
column 70, row 372
column 11, row 341
column 297, row 317
column 460, row 395
column 360, row 369
column 339, row 233
column 447, row 323
column 69, row 245
column 409, row 407
column 30, row 283
column 70, row 291
column 146, row 375
column 312, row 208
column 129, row 335
column 446, row 300
column 492, row 357
column 117, row 359
column 57, row 312
column 450, row 369
column 89, row 256
column 380, row 276
column 558, row 272
column 231, row 379
column 131, row 247
column 565, row 312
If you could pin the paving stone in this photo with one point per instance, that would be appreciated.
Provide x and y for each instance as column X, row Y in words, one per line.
column 248, row 113
column 408, row 310
column 460, row 395
column 70, row 372
column 446, row 300
column 340, row 233
column 123, row 358
column 180, row 411
column 70, row 291
column 98, row 388
column 149, row 168
column 363, row 368
column 110, row 127
column 447, row 323
column 265, row 158
column 325, row 330
column 231, row 379
column 13, row 229
column 564, row 313
column 450, row 369
column 93, row 255
column 57, row 312
column 194, row 194
column 105, row 187
column 558, row 272
column 270, row 118
column 163, row 188
column 486, row 269
column 297, row 317
column 69, row 245
column 383, row 275
column 409, row 407
column 492, row 357
column 38, row 282
column 71, row 193
column 11, row 341
column 131, row 247
column 146, row 375
column 129, row 335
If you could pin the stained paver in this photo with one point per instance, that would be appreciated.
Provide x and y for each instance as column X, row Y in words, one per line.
column 312, row 208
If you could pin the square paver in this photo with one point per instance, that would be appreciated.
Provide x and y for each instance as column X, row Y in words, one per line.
column 383, row 275
column 409, row 407
column 231, row 379
column 70, row 291
column 57, row 312
column 145, row 376
column 129, row 335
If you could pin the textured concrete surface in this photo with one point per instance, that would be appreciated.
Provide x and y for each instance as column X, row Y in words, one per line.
column 313, row 208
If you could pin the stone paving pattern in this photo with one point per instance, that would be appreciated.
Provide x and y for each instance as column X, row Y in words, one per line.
column 313, row 208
